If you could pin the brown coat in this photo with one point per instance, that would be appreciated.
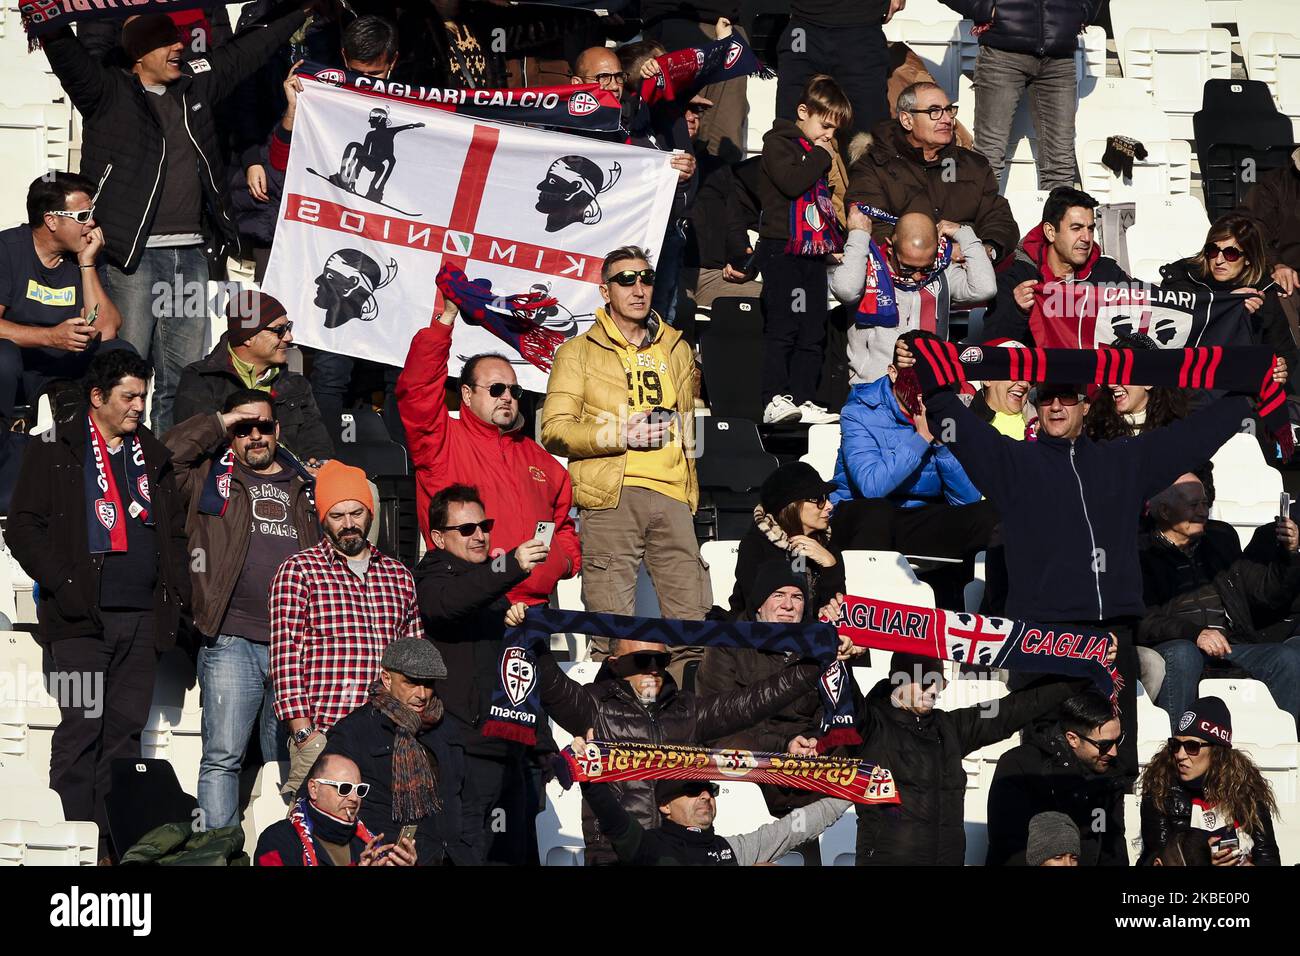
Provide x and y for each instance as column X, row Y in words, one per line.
column 892, row 175
column 1275, row 201
column 195, row 444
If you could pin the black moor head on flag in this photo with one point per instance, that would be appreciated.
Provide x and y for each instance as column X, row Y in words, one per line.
column 568, row 193
column 347, row 284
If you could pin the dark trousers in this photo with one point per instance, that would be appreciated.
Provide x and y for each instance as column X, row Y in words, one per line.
column 857, row 57
column 331, row 376
column 492, row 808
column 794, row 322
column 24, row 373
column 938, row 530
column 98, row 727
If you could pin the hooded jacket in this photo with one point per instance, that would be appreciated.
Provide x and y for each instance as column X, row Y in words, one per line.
column 894, row 175
column 520, row 483
column 1181, row 588
column 586, row 409
column 46, row 532
column 1158, row 826
column 122, row 130
column 1043, row 774
column 1070, row 508
column 1037, row 27
column 1274, row 201
column 787, row 171
column 1006, row 320
column 924, row 753
column 882, row 456
column 610, row 708
column 206, row 384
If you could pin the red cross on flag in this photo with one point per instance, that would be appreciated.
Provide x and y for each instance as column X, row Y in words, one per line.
column 379, row 193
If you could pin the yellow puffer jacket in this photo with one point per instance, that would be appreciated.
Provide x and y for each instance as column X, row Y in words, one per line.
column 586, row 411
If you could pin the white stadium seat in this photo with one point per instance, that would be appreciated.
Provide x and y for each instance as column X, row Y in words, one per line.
column 1176, row 15
column 940, row 47
column 1120, row 106
column 1175, row 66
column 1260, row 728
column 1027, row 208
column 1274, row 58
column 1153, row 727
column 760, row 94
column 25, row 795
column 568, row 597
column 886, row 576
column 559, row 827
column 1246, row 488
column 23, row 843
column 823, row 449
column 265, row 805
column 721, row 557
column 1163, row 226
column 1167, row 171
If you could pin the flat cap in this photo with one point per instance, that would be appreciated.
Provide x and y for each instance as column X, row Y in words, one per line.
column 414, row 657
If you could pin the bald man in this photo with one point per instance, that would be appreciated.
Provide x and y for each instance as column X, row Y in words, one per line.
column 926, row 284
column 600, row 65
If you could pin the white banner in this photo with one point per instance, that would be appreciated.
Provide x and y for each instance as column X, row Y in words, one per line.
column 379, row 193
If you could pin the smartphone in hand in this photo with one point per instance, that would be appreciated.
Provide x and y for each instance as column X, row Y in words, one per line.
column 545, row 532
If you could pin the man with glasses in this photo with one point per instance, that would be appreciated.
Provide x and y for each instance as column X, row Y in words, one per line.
column 249, row 508
column 254, row 353
column 325, row 828
column 599, row 64
column 1068, row 767
column 462, row 587
column 620, row 406
column 399, row 741
column 915, row 165
column 55, row 314
column 521, row 485
column 1206, row 603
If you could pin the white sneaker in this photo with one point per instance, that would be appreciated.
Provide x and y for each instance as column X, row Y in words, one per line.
column 781, row 409
column 812, row 414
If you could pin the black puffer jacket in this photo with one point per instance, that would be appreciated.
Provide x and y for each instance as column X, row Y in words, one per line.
column 1043, row 774
column 205, row 384
column 122, row 131
column 1040, row 27
column 1158, row 826
column 924, row 753
column 608, row 706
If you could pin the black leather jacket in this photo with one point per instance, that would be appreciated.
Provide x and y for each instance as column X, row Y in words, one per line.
column 1158, row 826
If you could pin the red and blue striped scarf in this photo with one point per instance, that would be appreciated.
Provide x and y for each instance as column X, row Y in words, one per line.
column 505, row 316
column 105, row 513
column 814, row 227
column 215, row 495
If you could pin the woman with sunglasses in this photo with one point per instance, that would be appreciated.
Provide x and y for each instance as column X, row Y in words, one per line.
column 791, row 523
column 1234, row 259
column 1199, row 782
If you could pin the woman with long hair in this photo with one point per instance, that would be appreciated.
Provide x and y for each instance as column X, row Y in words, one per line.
column 1199, row 782
column 1125, row 411
column 792, row 522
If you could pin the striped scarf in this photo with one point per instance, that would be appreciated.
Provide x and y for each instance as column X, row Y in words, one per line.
column 505, row 316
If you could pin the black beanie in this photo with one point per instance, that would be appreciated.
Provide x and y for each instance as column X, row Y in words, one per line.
column 791, row 482
column 914, row 666
column 770, row 576
column 148, row 32
column 1208, row 720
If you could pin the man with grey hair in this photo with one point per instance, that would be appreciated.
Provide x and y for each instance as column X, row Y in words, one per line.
column 620, row 406
column 914, row 165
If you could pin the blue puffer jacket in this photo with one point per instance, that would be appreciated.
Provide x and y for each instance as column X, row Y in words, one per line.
column 882, row 456
column 1040, row 27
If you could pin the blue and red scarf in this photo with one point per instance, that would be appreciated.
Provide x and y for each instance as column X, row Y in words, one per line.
column 215, row 495
column 505, row 316
column 814, row 227
column 106, row 514
column 878, row 307
column 300, row 820
column 684, row 72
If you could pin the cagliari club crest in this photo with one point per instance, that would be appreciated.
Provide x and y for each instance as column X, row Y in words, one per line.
column 106, row 512
column 517, row 675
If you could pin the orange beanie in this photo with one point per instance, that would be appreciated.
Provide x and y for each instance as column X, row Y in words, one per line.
column 337, row 482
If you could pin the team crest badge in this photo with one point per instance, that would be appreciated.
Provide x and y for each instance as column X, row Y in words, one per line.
column 106, row 512
column 734, row 763
column 833, row 681
column 582, row 104
column 732, row 55
column 142, row 486
column 517, row 675
column 972, row 354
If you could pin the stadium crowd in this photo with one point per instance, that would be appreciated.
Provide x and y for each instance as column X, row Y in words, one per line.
column 231, row 527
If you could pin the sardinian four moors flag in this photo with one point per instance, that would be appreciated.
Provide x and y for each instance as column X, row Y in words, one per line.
column 381, row 193
column 1082, row 315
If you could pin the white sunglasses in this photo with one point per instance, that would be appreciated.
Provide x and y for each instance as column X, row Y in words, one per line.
column 343, row 787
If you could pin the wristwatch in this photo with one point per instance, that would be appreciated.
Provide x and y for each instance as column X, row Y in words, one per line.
column 300, row 736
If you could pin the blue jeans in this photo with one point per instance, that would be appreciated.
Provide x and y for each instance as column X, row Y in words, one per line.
column 235, row 677
column 668, row 271
column 164, row 317
column 1277, row 665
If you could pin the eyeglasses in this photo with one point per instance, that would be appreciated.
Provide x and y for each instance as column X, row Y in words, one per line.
column 467, row 529
column 1067, row 400
column 1105, row 746
column 1193, row 747
column 643, row 661
column 1213, row 250
column 604, row 79
column 694, row 788
column 79, row 216
column 344, row 788
column 244, row 429
column 934, row 112
column 906, row 271
column 628, row 277
column 819, row 501
column 279, row 331
column 497, row 389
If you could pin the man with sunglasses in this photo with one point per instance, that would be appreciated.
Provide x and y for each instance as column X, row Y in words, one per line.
column 462, row 583
column 620, row 406
column 55, row 314
column 519, row 482
column 914, row 165
column 1068, row 767
column 249, row 507
column 325, row 828
column 254, row 353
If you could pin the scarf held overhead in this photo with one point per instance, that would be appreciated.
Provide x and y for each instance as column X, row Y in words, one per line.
column 683, row 72
column 1085, row 315
column 840, row 777
column 516, row 701
column 40, row 17
column 584, row 106
column 1246, row 369
column 106, row 515
column 508, row 317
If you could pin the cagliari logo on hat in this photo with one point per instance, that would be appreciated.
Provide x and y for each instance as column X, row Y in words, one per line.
column 1185, row 721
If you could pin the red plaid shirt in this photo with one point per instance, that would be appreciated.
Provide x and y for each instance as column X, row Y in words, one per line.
column 329, row 629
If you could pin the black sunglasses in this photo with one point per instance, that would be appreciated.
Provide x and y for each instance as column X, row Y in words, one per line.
column 244, row 429
column 628, row 277
column 1230, row 253
column 497, row 389
column 279, row 331
column 643, row 661
column 1193, row 747
column 468, row 527
column 1067, row 399
column 1106, row 746
column 819, row 501
column 694, row 788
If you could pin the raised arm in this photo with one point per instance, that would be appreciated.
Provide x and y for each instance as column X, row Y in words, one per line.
column 774, row 840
